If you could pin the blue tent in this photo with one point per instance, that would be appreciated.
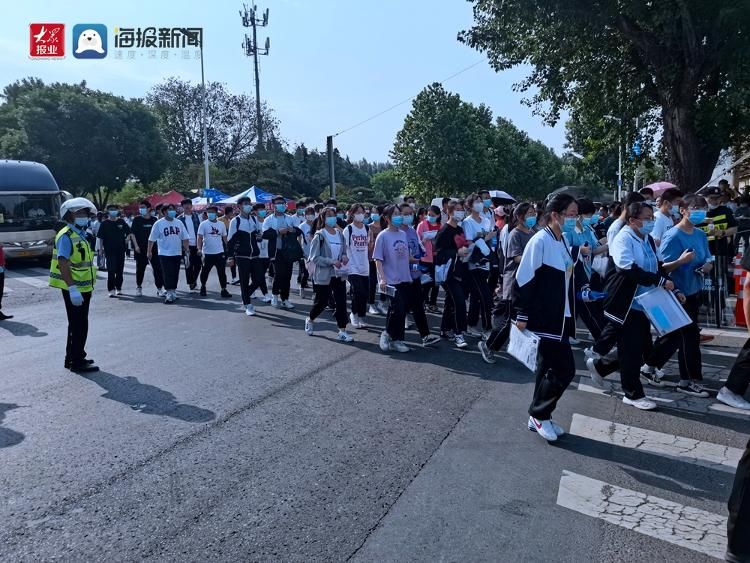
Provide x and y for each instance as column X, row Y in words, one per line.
column 213, row 195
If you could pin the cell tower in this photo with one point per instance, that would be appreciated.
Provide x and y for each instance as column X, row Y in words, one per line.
column 250, row 18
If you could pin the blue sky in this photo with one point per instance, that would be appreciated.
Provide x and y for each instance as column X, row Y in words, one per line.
column 333, row 63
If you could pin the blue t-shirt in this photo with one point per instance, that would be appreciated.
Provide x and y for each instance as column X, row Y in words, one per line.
column 64, row 245
column 674, row 243
column 578, row 238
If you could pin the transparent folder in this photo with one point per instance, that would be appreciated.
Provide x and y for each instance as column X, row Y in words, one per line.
column 663, row 310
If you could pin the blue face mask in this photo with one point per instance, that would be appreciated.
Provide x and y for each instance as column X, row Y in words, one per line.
column 171, row 213
column 331, row 221
column 143, row 211
column 397, row 221
column 81, row 221
column 113, row 212
column 697, row 216
column 340, row 216
column 407, row 219
column 569, row 225
column 647, row 228
column 261, row 213
column 375, row 217
column 487, row 203
column 676, row 210
column 280, row 207
column 530, row 222
column 432, row 219
column 211, row 216
column 247, row 209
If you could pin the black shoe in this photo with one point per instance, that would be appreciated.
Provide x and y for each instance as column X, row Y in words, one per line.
column 203, row 291
column 84, row 361
column 225, row 293
column 83, row 367
column 4, row 317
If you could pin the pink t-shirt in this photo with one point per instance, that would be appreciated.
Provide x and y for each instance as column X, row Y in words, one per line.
column 426, row 227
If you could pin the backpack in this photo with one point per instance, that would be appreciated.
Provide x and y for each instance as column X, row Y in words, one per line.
column 349, row 228
column 291, row 250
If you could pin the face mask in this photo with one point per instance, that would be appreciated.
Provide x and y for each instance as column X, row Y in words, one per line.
column 340, row 216
column 310, row 218
column 171, row 213
column 331, row 221
column 397, row 221
column 477, row 207
column 375, row 217
column 432, row 219
column 280, row 207
column 487, row 203
column 530, row 222
column 113, row 213
column 459, row 215
column 675, row 210
column 262, row 213
column 247, row 209
column 697, row 217
column 212, row 216
column 569, row 225
column 143, row 211
column 587, row 221
column 300, row 212
column 81, row 221
column 359, row 217
column 407, row 219
column 647, row 227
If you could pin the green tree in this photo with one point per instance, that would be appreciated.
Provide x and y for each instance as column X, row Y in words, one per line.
column 681, row 66
column 387, row 185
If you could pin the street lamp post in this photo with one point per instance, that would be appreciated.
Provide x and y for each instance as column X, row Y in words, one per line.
column 619, row 157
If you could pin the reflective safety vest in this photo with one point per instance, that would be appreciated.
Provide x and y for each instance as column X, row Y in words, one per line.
column 81, row 260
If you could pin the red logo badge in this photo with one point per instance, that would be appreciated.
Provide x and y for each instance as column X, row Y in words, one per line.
column 47, row 40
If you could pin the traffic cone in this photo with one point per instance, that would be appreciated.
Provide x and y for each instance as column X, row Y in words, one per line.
column 739, row 309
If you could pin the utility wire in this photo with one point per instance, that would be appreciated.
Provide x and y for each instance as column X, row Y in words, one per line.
column 402, row 102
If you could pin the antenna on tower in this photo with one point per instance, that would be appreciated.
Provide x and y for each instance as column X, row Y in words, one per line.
column 250, row 47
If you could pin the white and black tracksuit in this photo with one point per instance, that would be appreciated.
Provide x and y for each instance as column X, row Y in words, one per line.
column 243, row 243
column 544, row 297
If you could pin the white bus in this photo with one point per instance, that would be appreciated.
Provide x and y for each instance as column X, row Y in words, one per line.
column 29, row 209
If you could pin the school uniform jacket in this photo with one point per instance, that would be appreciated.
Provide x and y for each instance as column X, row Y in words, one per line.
column 539, row 292
column 243, row 237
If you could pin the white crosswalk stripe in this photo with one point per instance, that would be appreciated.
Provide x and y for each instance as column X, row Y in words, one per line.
column 652, row 516
column 706, row 454
column 35, row 277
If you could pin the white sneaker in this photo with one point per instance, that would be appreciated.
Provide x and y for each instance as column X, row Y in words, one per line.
column 276, row 302
column 354, row 320
column 362, row 322
column 430, row 339
column 235, row 281
column 399, row 346
column 385, row 341
column 344, row 336
column 118, row 293
column 112, row 293
column 487, row 354
column 139, row 292
column 161, row 292
column 555, row 426
column 652, row 376
column 309, row 327
column 408, row 324
column 460, row 341
column 249, row 310
column 544, row 428
column 286, row 304
column 589, row 353
column 267, row 299
column 596, row 379
column 644, row 404
column 732, row 399
column 474, row 332
column 371, row 310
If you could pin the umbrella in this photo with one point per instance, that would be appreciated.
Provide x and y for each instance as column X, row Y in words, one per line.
column 504, row 197
column 660, row 187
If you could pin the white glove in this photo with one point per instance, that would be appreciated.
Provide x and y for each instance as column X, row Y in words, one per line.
column 75, row 296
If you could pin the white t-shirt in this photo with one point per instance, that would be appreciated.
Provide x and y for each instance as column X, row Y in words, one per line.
column 212, row 233
column 334, row 241
column 356, row 244
column 190, row 229
column 614, row 228
column 305, row 227
column 472, row 230
column 169, row 234
column 662, row 223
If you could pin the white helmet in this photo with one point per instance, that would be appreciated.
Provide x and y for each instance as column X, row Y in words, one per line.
column 76, row 204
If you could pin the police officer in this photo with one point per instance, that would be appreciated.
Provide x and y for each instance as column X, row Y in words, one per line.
column 73, row 271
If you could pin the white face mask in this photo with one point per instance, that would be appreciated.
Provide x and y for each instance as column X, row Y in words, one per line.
column 478, row 207
column 459, row 215
column 359, row 217
column 309, row 217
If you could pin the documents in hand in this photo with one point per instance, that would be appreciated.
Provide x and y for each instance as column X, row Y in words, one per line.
column 663, row 310
column 523, row 346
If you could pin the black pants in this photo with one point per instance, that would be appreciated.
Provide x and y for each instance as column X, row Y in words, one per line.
column 2, row 288
column 397, row 307
column 633, row 345
column 218, row 261
column 555, row 369
column 608, row 337
column 430, row 290
column 499, row 335
column 193, row 268
column 454, row 312
column 115, row 269
column 303, row 276
column 480, row 299
column 686, row 342
column 739, row 377
column 170, row 267
column 141, row 261
column 282, row 279
column 323, row 293
column 78, row 328
column 374, row 285
column 415, row 306
column 360, row 289
column 738, row 525
column 592, row 315
column 233, row 271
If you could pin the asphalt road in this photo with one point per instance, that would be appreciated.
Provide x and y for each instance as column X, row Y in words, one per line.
column 209, row 435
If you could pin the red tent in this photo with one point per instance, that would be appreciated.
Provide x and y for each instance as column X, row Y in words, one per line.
column 172, row 197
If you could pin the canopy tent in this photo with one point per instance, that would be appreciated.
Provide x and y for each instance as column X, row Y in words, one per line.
column 171, row 197
column 255, row 194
